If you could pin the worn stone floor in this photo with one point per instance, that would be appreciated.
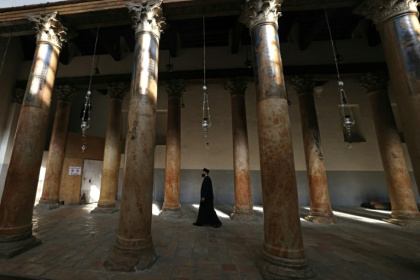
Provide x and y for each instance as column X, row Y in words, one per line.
column 76, row 243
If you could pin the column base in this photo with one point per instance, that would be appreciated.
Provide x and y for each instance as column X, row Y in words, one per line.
column 169, row 213
column 276, row 268
column 131, row 256
column 12, row 248
column 105, row 210
column 47, row 204
column 243, row 216
column 321, row 219
column 404, row 221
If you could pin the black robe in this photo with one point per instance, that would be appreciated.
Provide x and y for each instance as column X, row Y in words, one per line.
column 206, row 213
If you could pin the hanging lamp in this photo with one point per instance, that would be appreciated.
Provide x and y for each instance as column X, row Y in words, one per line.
column 206, row 120
column 347, row 114
column 87, row 108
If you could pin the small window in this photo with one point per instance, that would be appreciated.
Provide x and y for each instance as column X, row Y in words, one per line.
column 357, row 134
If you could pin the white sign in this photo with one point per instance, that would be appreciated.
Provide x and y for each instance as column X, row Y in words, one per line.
column 74, row 170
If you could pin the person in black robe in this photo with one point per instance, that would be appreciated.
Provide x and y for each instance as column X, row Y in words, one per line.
column 206, row 213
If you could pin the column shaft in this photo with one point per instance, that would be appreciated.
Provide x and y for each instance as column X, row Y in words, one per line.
column 112, row 157
column 400, row 38
column 22, row 177
column 134, row 248
column 243, row 199
column 173, row 154
column 320, row 211
column 404, row 206
column 55, row 162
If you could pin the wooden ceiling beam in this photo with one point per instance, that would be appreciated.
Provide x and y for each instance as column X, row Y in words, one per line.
column 236, row 36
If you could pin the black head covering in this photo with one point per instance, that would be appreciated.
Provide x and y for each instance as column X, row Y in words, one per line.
column 206, row 170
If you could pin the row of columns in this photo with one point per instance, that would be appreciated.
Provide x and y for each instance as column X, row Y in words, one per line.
column 283, row 253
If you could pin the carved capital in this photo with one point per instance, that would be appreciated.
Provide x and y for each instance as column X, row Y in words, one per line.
column 257, row 12
column 65, row 92
column 303, row 84
column 374, row 81
column 18, row 95
column 147, row 16
column 175, row 87
column 49, row 28
column 236, row 86
column 381, row 10
column 116, row 90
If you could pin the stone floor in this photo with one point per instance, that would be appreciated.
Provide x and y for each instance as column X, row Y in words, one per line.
column 76, row 243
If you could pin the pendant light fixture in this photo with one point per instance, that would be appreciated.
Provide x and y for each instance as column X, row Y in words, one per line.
column 206, row 121
column 347, row 114
column 87, row 108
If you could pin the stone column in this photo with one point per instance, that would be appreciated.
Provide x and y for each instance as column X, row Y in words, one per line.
column 243, row 199
column 112, row 153
column 22, row 177
column 399, row 28
column 283, row 254
column 319, row 196
column 51, row 189
column 171, row 202
column 403, row 202
column 134, row 248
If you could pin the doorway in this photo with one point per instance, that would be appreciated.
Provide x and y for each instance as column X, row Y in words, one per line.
column 91, row 182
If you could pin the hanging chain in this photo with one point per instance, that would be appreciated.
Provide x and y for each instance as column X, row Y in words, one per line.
column 348, row 119
column 206, row 107
column 88, row 105
column 4, row 56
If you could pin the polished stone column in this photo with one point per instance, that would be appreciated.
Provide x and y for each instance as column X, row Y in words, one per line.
column 243, row 208
column 112, row 152
column 22, row 177
column 399, row 28
column 403, row 202
column 51, row 188
column 283, row 254
column 134, row 248
column 171, row 202
column 319, row 196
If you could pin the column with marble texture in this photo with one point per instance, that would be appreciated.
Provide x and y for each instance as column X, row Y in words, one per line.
column 112, row 152
column 403, row 203
column 54, row 168
column 243, row 208
column 283, row 254
column 398, row 25
column 171, row 201
column 320, row 204
column 134, row 248
column 19, row 193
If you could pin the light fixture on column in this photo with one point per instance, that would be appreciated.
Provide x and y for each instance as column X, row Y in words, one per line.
column 347, row 114
column 206, row 107
column 87, row 108
column 4, row 55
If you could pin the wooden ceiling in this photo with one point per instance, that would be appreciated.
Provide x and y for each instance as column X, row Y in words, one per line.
column 305, row 18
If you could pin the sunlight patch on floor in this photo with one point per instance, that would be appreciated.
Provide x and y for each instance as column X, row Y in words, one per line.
column 358, row 218
column 379, row 211
column 258, row 208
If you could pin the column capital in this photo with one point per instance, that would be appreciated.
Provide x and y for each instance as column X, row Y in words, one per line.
column 381, row 10
column 175, row 87
column 65, row 92
column 236, row 86
column 147, row 16
column 374, row 81
column 49, row 28
column 116, row 90
column 18, row 95
column 303, row 84
column 257, row 12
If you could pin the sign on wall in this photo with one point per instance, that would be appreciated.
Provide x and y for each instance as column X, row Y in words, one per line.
column 75, row 170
